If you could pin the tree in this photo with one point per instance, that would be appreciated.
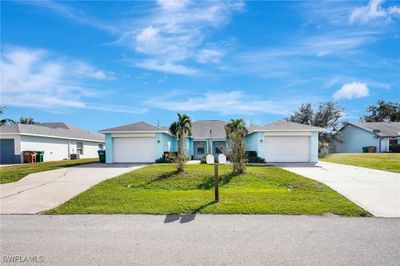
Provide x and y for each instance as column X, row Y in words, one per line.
column 5, row 121
column 27, row 121
column 383, row 112
column 180, row 129
column 328, row 116
column 236, row 132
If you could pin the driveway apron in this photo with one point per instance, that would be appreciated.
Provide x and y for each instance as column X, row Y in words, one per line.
column 45, row 190
column 376, row 191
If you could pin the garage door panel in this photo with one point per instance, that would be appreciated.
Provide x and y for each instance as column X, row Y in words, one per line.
column 133, row 150
column 287, row 148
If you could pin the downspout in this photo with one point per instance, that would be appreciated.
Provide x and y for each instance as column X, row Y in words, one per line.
column 376, row 132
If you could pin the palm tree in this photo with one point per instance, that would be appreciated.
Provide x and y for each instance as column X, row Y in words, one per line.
column 5, row 121
column 27, row 121
column 180, row 129
column 236, row 132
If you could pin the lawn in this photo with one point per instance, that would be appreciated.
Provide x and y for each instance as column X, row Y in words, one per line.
column 157, row 189
column 382, row 161
column 14, row 173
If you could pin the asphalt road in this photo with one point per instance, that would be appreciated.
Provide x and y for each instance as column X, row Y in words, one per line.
column 201, row 240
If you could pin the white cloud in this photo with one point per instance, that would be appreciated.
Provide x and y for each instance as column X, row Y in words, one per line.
column 40, row 79
column 373, row 10
column 351, row 91
column 153, row 64
column 226, row 103
column 172, row 4
column 77, row 15
column 207, row 55
column 176, row 33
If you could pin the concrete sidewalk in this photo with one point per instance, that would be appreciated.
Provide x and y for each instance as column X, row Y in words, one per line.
column 45, row 190
column 201, row 239
column 376, row 191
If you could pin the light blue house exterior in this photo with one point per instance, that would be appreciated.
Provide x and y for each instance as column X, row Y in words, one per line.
column 279, row 144
column 355, row 136
column 280, row 141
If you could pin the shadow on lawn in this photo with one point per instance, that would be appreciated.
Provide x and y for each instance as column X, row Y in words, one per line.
column 224, row 179
column 186, row 218
column 159, row 178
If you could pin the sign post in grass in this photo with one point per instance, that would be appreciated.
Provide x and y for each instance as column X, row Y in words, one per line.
column 216, row 182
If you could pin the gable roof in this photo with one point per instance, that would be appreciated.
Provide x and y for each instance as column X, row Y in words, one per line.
column 386, row 129
column 135, row 127
column 286, row 126
column 208, row 129
column 53, row 130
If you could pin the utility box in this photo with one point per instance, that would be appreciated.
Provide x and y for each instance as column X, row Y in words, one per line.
column 74, row 156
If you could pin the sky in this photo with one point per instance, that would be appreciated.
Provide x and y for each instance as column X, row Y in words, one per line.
column 101, row 64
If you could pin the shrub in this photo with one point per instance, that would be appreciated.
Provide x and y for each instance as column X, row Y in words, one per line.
column 250, row 154
column 394, row 148
column 256, row 160
column 164, row 160
column 253, row 158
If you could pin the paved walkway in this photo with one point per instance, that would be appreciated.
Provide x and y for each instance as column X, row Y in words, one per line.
column 376, row 191
column 45, row 190
column 201, row 240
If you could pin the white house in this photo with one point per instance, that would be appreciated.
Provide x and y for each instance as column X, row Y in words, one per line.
column 381, row 135
column 57, row 140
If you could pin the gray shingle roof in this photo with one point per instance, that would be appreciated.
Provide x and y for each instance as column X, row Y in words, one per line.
column 201, row 129
column 387, row 129
column 60, row 130
column 135, row 127
column 287, row 126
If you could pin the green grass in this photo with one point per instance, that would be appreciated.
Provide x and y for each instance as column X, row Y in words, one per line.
column 14, row 173
column 382, row 161
column 157, row 189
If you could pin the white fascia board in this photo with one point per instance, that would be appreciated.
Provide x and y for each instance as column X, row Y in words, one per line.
column 53, row 137
column 213, row 139
column 134, row 135
column 133, row 132
column 297, row 130
column 287, row 133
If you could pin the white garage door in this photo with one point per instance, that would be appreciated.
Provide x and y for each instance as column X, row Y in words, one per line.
column 287, row 149
column 133, row 150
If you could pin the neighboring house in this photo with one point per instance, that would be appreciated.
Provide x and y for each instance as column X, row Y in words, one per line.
column 284, row 141
column 354, row 136
column 280, row 141
column 57, row 140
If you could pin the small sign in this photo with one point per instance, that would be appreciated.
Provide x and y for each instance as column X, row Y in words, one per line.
column 221, row 159
column 210, row 159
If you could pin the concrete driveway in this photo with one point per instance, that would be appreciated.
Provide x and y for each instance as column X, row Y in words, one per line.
column 376, row 191
column 45, row 190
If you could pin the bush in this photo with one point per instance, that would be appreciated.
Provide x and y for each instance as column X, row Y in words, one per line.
column 164, row 160
column 250, row 154
column 394, row 148
column 252, row 157
column 256, row 160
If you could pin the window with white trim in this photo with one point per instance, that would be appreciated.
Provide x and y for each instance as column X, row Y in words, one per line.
column 79, row 148
column 200, row 147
